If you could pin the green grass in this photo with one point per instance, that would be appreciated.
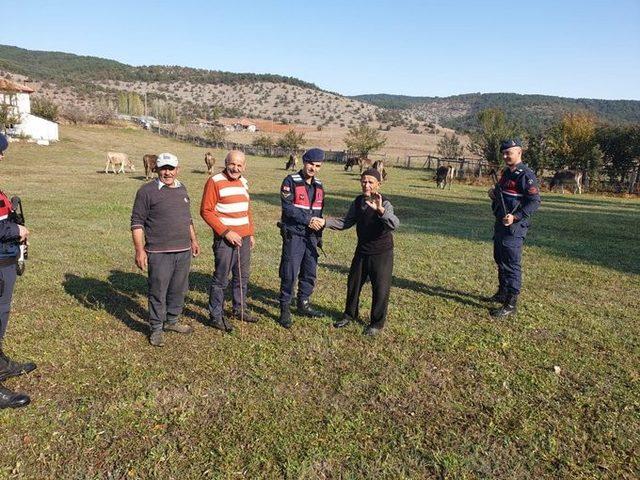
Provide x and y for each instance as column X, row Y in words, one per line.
column 445, row 392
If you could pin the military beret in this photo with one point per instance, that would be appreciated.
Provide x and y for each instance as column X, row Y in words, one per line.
column 511, row 142
column 4, row 143
column 372, row 172
column 313, row 155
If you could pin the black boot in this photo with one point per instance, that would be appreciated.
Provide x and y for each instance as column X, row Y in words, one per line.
column 304, row 308
column 285, row 316
column 507, row 308
column 343, row 322
column 9, row 368
column 499, row 297
column 10, row 399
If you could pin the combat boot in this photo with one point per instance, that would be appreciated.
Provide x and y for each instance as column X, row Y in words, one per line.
column 11, row 399
column 285, row 316
column 304, row 308
column 9, row 368
column 343, row 322
column 221, row 323
column 499, row 297
column 507, row 308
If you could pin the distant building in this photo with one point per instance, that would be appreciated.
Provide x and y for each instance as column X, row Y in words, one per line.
column 18, row 98
column 239, row 125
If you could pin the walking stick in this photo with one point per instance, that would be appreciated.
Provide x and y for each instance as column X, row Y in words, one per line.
column 241, row 292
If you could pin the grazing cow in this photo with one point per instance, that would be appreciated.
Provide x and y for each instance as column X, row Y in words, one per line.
column 209, row 161
column 149, row 161
column 351, row 161
column 365, row 163
column 445, row 175
column 379, row 166
column 121, row 160
column 292, row 163
column 567, row 177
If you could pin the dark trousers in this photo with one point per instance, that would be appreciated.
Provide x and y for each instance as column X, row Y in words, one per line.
column 226, row 262
column 507, row 253
column 299, row 260
column 378, row 268
column 7, row 281
column 168, row 283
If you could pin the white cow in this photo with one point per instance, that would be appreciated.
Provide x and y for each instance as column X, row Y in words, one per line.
column 115, row 159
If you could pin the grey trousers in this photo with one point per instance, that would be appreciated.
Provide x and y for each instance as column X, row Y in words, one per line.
column 226, row 262
column 7, row 281
column 168, row 283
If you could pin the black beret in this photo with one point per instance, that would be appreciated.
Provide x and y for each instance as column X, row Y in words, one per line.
column 313, row 155
column 372, row 172
column 509, row 143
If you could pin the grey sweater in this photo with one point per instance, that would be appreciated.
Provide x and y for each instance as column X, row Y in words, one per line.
column 164, row 215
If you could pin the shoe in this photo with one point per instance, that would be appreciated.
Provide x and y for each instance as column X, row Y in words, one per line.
column 156, row 338
column 304, row 308
column 285, row 316
column 498, row 297
column 11, row 399
column 178, row 328
column 246, row 316
column 507, row 308
column 371, row 331
column 222, row 323
column 9, row 368
column 343, row 322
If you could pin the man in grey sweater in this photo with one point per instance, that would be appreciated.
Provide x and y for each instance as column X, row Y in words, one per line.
column 164, row 239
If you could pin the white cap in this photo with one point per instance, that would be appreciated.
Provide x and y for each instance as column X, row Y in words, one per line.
column 167, row 159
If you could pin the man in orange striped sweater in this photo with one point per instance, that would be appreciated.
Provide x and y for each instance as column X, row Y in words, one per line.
column 225, row 208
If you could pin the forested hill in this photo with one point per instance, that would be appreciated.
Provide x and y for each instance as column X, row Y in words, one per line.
column 64, row 68
column 530, row 111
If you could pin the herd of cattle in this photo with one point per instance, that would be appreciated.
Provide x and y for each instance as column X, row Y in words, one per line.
column 444, row 176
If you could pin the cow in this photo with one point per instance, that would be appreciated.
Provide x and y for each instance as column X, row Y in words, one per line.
column 445, row 175
column 209, row 161
column 567, row 177
column 149, row 161
column 292, row 162
column 379, row 166
column 351, row 161
column 115, row 159
column 365, row 163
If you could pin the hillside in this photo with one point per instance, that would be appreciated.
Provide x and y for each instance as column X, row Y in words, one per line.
column 533, row 112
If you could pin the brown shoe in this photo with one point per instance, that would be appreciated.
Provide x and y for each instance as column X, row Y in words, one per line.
column 156, row 339
column 178, row 328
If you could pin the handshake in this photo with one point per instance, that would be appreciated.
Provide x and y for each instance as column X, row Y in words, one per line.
column 316, row 224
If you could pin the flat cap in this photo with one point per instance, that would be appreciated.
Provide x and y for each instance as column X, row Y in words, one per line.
column 313, row 155
column 372, row 172
column 509, row 143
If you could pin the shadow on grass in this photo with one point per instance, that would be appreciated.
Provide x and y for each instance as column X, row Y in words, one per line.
column 464, row 298
column 603, row 236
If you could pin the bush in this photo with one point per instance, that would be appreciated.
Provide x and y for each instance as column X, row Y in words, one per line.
column 74, row 114
column 45, row 108
column 216, row 134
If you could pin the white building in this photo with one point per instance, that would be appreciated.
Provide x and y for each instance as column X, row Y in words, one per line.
column 17, row 97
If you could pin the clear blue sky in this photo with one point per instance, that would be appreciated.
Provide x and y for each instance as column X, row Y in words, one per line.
column 569, row 48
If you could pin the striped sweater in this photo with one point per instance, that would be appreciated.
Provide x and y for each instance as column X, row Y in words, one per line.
column 225, row 205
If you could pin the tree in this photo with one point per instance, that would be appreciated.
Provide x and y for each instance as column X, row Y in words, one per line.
column 8, row 110
column 263, row 141
column 216, row 134
column 621, row 148
column 539, row 154
column 573, row 142
column 292, row 141
column 450, row 147
column 45, row 108
column 494, row 128
column 363, row 139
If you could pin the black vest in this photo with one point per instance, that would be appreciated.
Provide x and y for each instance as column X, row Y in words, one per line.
column 373, row 238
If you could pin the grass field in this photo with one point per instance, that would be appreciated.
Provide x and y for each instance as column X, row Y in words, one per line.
column 445, row 392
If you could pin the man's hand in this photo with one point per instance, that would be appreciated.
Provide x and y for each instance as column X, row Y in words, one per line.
column 233, row 238
column 492, row 193
column 195, row 248
column 252, row 241
column 316, row 223
column 24, row 233
column 508, row 220
column 141, row 260
column 375, row 202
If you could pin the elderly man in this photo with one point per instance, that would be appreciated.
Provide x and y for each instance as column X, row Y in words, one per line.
column 373, row 216
column 302, row 200
column 11, row 234
column 164, row 239
column 225, row 208
column 514, row 199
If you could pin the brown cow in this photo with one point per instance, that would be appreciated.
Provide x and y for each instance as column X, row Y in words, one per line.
column 118, row 159
column 292, row 163
column 566, row 177
column 445, row 175
column 149, row 162
column 209, row 161
column 364, row 163
column 379, row 166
